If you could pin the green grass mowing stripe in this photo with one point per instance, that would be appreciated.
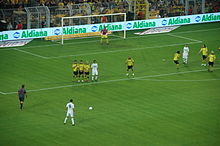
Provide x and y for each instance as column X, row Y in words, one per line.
column 100, row 82
column 124, row 50
column 131, row 112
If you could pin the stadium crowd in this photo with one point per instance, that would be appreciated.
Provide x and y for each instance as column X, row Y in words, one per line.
column 14, row 13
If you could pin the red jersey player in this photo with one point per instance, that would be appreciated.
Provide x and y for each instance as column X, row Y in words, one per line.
column 104, row 35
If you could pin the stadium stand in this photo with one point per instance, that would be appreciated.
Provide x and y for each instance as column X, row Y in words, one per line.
column 14, row 11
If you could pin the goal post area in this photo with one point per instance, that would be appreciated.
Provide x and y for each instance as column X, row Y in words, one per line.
column 91, row 25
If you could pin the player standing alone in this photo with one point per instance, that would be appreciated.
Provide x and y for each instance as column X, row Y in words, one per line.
column 21, row 95
column 204, row 51
column 185, row 54
column 176, row 59
column 104, row 35
column 211, row 58
column 70, row 112
column 130, row 65
column 94, row 68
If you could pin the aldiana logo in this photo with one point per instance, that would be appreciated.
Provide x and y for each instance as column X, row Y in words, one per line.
column 3, row 37
column 57, row 31
column 198, row 18
column 73, row 30
column 164, row 22
column 94, row 28
column 33, row 34
column 129, row 25
column 144, row 24
column 210, row 17
column 111, row 27
column 175, row 21
column 16, row 35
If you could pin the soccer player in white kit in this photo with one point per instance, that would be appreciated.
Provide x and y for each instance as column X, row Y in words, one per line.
column 94, row 68
column 185, row 54
column 70, row 111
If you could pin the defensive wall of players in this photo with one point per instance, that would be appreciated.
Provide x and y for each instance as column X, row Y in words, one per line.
column 115, row 26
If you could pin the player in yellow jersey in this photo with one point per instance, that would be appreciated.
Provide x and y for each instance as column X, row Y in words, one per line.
column 211, row 59
column 81, row 71
column 86, row 71
column 176, row 59
column 75, row 69
column 130, row 64
column 204, row 51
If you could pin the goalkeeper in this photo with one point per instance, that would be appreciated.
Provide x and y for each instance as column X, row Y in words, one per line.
column 104, row 35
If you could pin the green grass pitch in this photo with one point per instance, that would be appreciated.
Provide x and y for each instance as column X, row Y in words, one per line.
column 160, row 106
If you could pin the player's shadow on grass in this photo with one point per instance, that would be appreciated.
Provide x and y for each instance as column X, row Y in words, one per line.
column 85, row 120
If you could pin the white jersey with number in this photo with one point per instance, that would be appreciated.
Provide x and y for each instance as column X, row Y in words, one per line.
column 185, row 52
column 94, row 68
column 70, row 107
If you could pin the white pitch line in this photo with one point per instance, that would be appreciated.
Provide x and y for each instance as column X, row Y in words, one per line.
column 36, row 55
column 182, row 37
column 124, row 50
column 83, row 42
column 2, row 93
column 201, row 30
column 109, row 81
column 205, row 80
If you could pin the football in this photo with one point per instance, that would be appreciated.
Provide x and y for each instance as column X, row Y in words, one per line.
column 90, row 108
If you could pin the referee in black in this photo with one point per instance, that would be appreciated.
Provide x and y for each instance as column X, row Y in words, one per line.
column 21, row 95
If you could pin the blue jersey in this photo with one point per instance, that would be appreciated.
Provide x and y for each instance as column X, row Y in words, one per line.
column 21, row 93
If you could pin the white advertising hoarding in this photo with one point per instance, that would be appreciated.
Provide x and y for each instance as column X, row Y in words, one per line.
column 115, row 26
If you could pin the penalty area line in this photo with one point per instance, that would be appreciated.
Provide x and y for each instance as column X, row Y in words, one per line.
column 156, row 80
column 36, row 55
column 2, row 93
column 109, row 81
column 182, row 37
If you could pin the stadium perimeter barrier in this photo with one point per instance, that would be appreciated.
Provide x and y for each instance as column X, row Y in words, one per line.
column 77, row 35
column 114, row 26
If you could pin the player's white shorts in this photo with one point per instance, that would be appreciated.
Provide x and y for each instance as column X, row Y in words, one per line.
column 185, row 56
column 71, row 114
column 95, row 72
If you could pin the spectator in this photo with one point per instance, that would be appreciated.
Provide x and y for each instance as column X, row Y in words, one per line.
column 19, row 25
column 9, row 26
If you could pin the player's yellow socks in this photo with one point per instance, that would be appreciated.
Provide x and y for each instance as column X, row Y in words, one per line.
column 101, row 41
column 107, row 41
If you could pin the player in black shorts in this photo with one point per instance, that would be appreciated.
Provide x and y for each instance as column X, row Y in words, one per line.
column 130, row 67
column 76, row 73
column 204, row 57
column 81, row 71
column 75, row 69
column 176, row 59
column 130, row 64
column 21, row 96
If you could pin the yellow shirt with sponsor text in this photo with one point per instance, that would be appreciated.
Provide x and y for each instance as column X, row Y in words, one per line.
column 130, row 62
column 176, row 56
column 204, row 51
column 81, row 67
column 212, row 58
column 86, row 68
column 75, row 67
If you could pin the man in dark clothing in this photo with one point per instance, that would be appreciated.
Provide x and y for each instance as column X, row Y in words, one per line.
column 21, row 95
